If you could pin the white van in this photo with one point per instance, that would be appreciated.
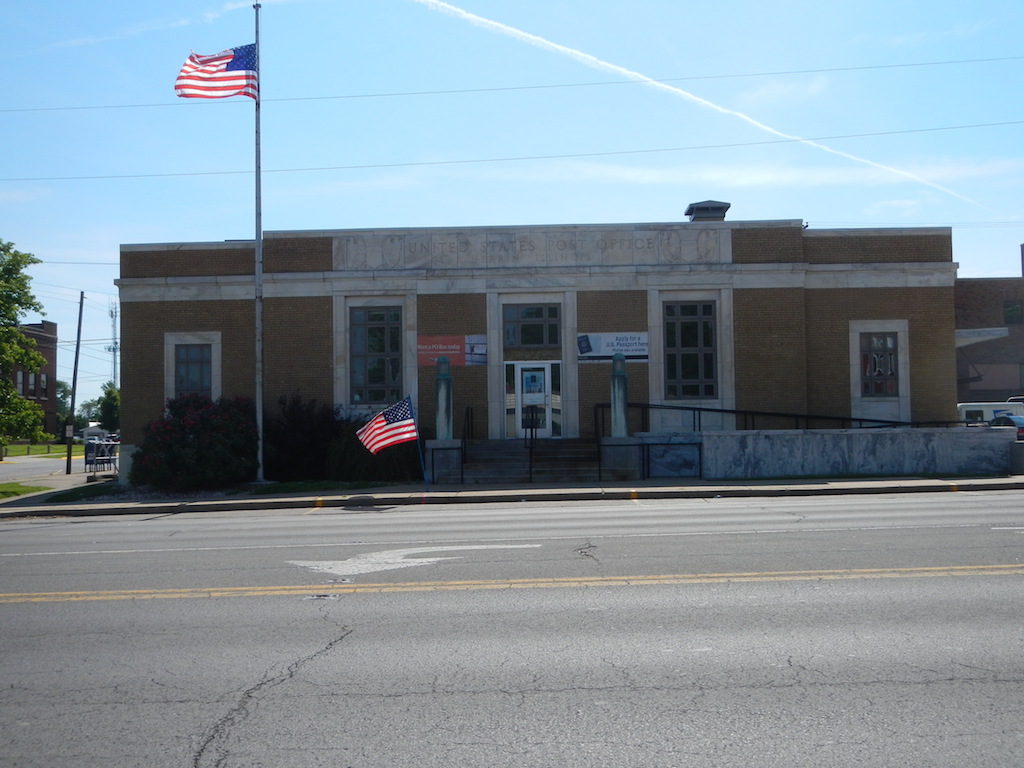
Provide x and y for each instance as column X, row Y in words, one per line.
column 979, row 413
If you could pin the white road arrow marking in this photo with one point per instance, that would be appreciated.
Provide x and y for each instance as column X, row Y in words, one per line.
column 392, row 559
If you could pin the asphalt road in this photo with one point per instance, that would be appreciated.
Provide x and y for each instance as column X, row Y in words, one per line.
column 880, row 630
column 26, row 469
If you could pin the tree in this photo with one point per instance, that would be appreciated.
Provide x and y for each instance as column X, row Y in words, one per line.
column 63, row 401
column 109, row 408
column 19, row 418
column 88, row 411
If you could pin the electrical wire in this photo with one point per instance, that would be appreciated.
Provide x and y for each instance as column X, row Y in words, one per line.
column 501, row 89
column 521, row 158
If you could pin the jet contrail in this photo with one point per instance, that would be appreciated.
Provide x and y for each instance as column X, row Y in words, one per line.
column 595, row 63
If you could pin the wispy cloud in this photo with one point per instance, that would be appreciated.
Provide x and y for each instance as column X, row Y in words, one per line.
column 780, row 92
column 595, row 63
column 133, row 30
column 21, row 196
column 768, row 175
column 930, row 36
column 889, row 209
column 161, row 24
column 391, row 182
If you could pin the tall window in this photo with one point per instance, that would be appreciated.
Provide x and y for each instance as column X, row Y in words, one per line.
column 531, row 325
column 879, row 365
column 691, row 365
column 375, row 354
column 193, row 370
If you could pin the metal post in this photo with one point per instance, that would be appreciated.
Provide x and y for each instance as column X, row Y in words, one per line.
column 69, row 422
column 259, row 271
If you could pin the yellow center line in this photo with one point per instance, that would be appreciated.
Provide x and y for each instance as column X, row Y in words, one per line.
column 550, row 583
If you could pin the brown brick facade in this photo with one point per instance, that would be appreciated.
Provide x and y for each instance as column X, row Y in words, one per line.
column 932, row 371
column 298, row 349
column 854, row 248
column 143, row 325
column 453, row 315
column 770, row 337
column 779, row 245
column 300, row 254
column 187, row 262
column 610, row 312
column 768, row 245
column 793, row 295
column 40, row 387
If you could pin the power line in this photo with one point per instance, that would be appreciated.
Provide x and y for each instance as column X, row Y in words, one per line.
column 522, row 158
column 501, row 89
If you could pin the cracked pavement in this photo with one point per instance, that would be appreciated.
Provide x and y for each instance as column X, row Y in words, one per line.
column 795, row 650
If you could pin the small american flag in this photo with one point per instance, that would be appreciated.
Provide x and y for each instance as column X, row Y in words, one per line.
column 234, row 72
column 389, row 427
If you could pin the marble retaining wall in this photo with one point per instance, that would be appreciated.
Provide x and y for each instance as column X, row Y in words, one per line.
column 829, row 453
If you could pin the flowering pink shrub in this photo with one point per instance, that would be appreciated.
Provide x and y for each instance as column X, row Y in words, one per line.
column 198, row 444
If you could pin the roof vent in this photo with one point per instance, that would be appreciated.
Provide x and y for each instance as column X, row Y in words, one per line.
column 709, row 210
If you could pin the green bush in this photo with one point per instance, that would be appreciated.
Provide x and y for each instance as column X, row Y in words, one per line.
column 198, row 445
column 348, row 459
column 296, row 440
column 306, row 441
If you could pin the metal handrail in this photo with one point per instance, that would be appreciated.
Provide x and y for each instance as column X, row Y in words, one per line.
column 467, row 428
column 468, row 433
column 750, row 418
column 531, row 418
column 645, row 456
column 462, row 448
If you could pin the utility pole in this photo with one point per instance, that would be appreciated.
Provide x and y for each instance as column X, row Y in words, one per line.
column 69, row 424
column 115, row 347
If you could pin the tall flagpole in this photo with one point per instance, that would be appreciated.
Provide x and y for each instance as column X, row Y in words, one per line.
column 259, row 271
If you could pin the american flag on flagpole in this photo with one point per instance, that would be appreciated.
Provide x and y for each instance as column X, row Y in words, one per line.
column 391, row 426
column 234, row 72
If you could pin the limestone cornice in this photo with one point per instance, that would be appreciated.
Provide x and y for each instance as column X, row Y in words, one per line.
column 541, row 279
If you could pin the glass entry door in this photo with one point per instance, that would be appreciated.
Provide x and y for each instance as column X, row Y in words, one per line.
column 533, row 398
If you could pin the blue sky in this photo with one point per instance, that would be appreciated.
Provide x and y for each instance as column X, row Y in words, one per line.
column 403, row 113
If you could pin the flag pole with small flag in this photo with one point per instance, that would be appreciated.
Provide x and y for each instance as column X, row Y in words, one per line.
column 392, row 426
column 235, row 72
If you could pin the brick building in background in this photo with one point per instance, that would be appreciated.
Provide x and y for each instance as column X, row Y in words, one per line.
column 41, row 387
column 744, row 315
column 990, row 337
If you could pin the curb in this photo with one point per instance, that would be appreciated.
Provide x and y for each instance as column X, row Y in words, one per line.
column 365, row 501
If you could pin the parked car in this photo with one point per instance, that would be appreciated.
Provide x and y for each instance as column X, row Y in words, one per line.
column 1010, row 421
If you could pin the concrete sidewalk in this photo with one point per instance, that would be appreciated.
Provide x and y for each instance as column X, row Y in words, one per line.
column 51, row 473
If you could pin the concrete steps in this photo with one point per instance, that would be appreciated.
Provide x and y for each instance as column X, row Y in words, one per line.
column 499, row 462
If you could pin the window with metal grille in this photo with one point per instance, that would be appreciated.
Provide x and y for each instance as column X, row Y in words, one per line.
column 691, row 364
column 531, row 325
column 375, row 354
column 879, row 365
column 193, row 370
